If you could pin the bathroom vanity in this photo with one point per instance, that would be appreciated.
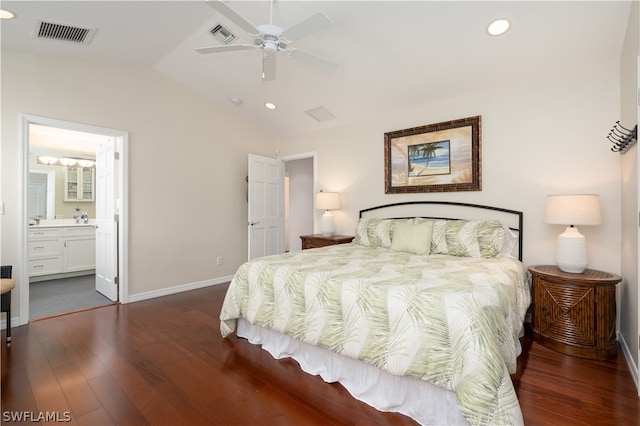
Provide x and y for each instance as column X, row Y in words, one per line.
column 60, row 248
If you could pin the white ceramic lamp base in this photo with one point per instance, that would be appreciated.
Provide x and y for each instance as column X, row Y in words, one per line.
column 327, row 226
column 571, row 253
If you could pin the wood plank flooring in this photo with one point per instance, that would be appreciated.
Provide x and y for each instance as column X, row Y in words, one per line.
column 163, row 361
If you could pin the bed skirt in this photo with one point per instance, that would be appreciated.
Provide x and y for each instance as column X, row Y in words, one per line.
column 426, row 403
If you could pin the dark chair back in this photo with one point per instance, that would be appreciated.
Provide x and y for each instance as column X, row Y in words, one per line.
column 5, row 271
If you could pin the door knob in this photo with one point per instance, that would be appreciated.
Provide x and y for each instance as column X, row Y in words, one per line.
column 253, row 223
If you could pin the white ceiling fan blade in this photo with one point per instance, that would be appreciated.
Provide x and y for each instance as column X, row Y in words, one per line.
column 311, row 59
column 233, row 16
column 312, row 24
column 229, row 48
column 268, row 67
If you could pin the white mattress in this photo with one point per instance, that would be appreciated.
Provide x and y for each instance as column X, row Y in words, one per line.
column 426, row 403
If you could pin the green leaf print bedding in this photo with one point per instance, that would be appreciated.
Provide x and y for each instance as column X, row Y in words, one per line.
column 452, row 321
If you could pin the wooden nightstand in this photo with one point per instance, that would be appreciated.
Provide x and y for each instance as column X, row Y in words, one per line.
column 318, row 240
column 575, row 313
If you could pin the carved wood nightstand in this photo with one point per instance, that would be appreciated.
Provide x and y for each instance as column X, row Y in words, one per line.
column 575, row 313
column 318, row 240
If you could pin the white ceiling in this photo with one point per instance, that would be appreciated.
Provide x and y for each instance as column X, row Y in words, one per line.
column 390, row 55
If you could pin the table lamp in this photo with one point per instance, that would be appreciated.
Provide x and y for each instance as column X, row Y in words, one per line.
column 572, row 210
column 327, row 201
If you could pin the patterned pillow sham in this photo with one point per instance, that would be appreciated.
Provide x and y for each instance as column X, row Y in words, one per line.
column 491, row 238
column 470, row 238
column 372, row 232
column 462, row 238
column 467, row 238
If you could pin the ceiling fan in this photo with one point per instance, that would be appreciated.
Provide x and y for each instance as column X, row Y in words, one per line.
column 273, row 39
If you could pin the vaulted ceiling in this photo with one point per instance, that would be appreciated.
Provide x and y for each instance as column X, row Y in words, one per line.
column 389, row 55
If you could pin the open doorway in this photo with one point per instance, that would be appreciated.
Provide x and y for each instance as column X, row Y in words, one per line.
column 67, row 248
column 299, row 199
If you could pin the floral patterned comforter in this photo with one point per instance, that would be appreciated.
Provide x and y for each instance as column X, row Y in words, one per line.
column 452, row 321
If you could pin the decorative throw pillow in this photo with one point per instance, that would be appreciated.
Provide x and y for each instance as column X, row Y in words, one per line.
column 510, row 242
column 491, row 238
column 438, row 240
column 462, row 238
column 362, row 235
column 412, row 238
column 373, row 232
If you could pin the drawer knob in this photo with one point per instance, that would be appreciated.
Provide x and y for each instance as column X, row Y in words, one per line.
column 545, row 310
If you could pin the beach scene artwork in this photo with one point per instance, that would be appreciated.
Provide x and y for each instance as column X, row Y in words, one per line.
column 429, row 159
column 434, row 158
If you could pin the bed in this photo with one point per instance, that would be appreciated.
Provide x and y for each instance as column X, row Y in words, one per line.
column 421, row 314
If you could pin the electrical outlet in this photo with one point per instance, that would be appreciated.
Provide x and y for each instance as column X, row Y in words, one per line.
column 219, row 260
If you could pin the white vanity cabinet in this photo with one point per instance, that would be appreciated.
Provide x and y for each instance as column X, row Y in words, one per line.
column 79, row 183
column 61, row 250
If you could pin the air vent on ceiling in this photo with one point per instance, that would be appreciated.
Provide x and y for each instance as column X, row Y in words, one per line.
column 222, row 34
column 63, row 32
column 321, row 114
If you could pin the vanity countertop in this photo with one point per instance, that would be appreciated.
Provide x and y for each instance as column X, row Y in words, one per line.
column 59, row 223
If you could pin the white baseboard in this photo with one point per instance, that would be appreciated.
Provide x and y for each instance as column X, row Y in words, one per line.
column 633, row 368
column 177, row 289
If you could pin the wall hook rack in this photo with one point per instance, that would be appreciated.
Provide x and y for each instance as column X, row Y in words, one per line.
column 622, row 138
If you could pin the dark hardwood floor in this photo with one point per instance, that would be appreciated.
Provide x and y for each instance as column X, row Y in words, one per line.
column 163, row 361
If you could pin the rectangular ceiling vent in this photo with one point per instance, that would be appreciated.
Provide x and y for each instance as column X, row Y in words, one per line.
column 223, row 34
column 63, row 32
column 321, row 114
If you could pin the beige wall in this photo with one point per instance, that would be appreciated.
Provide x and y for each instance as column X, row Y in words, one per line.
column 628, row 290
column 187, row 163
column 538, row 138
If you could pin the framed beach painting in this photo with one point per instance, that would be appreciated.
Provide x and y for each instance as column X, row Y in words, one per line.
column 441, row 157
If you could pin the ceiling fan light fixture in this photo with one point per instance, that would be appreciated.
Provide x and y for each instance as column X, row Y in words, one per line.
column 498, row 27
column 270, row 48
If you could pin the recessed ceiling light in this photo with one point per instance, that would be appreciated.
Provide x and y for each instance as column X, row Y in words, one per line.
column 5, row 14
column 270, row 105
column 498, row 27
column 236, row 101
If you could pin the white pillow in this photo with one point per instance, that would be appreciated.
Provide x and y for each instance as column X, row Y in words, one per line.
column 412, row 238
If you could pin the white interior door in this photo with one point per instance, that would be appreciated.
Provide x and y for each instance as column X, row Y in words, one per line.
column 106, row 254
column 266, row 206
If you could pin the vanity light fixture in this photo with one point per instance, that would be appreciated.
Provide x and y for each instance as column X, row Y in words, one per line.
column 65, row 161
column 498, row 27
column 6, row 14
column 270, row 105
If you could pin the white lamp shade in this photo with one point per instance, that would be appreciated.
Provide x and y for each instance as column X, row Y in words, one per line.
column 576, row 209
column 328, row 201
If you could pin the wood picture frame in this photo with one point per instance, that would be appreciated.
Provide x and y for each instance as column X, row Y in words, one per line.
column 441, row 157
